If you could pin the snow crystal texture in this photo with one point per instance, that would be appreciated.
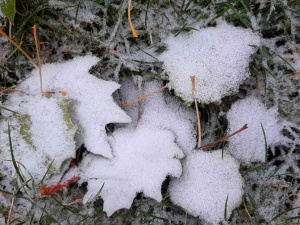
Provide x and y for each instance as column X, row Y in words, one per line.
column 92, row 106
column 162, row 111
column 40, row 134
column 206, row 182
column 217, row 56
column 249, row 145
column 143, row 157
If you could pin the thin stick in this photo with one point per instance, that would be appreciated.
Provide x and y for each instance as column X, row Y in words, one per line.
column 224, row 138
column 11, row 206
column 197, row 110
column 134, row 33
column 37, row 46
column 144, row 97
column 79, row 200
column 19, row 47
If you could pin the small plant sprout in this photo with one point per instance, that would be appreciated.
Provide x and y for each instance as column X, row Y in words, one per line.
column 134, row 33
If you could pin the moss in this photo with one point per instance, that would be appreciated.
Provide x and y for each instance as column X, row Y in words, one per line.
column 67, row 117
column 25, row 125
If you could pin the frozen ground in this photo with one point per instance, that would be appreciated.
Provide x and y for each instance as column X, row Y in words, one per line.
column 143, row 167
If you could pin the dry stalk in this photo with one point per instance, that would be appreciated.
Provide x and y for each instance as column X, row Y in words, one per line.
column 223, row 138
column 11, row 206
column 134, row 33
column 18, row 47
column 144, row 97
column 37, row 46
column 197, row 110
column 79, row 200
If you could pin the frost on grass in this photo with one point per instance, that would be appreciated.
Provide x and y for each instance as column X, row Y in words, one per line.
column 143, row 157
column 84, row 11
column 161, row 110
column 217, row 56
column 91, row 103
column 249, row 145
column 206, row 182
column 41, row 132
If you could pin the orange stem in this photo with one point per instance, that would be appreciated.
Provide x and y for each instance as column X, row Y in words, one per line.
column 134, row 33
column 223, row 138
column 197, row 110
column 37, row 46
column 19, row 47
column 144, row 97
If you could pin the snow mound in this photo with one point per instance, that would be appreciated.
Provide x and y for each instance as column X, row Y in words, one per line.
column 206, row 182
column 249, row 145
column 41, row 133
column 217, row 56
column 92, row 106
column 161, row 110
column 143, row 157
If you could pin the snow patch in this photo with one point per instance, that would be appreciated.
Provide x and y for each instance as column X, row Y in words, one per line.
column 143, row 158
column 92, row 106
column 249, row 145
column 217, row 56
column 40, row 133
column 206, row 182
column 161, row 110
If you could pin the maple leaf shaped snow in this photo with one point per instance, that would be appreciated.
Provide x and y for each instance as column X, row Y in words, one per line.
column 143, row 157
column 92, row 106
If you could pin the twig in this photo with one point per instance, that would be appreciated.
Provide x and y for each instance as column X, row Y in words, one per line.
column 144, row 97
column 224, row 138
column 19, row 47
column 37, row 46
column 134, row 33
column 197, row 110
column 11, row 206
column 79, row 200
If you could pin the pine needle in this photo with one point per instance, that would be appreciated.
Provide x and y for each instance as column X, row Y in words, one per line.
column 144, row 97
column 223, row 138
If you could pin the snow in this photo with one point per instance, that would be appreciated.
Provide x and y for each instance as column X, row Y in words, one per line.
column 91, row 104
column 40, row 134
column 249, row 145
column 217, row 56
column 162, row 111
column 143, row 158
column 206, row 182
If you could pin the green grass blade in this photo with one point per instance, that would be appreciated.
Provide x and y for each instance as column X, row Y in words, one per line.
column 282, row 213
column 13, row 157
column 42, row 181
column 2, row 107
column 225, row 210
column 266, row 144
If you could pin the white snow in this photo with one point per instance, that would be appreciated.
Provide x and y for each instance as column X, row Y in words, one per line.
column 249, row 145
column 206, row 182
column 92, row 106
column 162, row 111
column 40, row 134
column 143, row 157
column 217, row 56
